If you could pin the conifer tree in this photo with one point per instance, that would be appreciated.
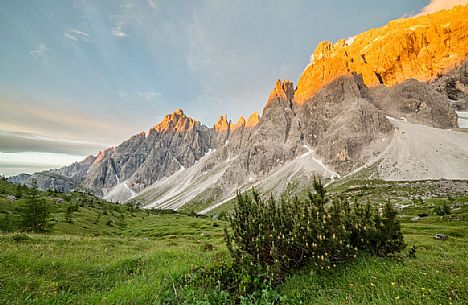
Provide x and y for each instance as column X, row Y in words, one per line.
column 36, row 213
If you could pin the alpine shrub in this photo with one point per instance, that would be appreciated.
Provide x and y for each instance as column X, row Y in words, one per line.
column 272, row 237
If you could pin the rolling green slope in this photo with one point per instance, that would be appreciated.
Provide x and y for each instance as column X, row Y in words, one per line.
column 132, row 256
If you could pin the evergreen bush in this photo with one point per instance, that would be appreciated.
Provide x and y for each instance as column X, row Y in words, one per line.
column 272, row 237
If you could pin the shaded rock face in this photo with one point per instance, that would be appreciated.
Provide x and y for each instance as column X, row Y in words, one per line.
column 342, row 123
column 46, row 181
column 421, row 48
column 454, row 85
column 275, row 139
column 417, row 102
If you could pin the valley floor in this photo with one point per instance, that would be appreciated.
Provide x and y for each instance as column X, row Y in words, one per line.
column 143, row 259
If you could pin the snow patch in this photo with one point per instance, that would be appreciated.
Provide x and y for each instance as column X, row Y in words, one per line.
column 350, row 40
column 120, row 193
column 462, row 119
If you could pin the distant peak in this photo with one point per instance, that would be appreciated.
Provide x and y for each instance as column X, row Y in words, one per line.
column 283, row 89
column 179, row 112
column 240, row 123
column 176, row 121
column 222, row 124
column 253, row 120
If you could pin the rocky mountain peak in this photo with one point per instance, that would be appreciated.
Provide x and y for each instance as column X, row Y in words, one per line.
column 282, row 91
column 421, row 48
column 240, row 123
column 253, row 120
column 327, row 49
column 176, row 121
column 222, row 124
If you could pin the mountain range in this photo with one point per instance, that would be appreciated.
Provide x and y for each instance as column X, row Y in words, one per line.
column 390, row 103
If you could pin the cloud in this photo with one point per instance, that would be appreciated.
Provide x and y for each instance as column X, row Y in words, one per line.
column 148, row 95
column 40, row 51
column 151, row 4
column 438, row 5
column 117, row 30
column 19, row 142
column 68, row 35
column 32, row 162
column 76, row 35
column 66, row 121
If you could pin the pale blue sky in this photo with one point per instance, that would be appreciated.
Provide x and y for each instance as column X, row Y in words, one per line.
column 79, row 75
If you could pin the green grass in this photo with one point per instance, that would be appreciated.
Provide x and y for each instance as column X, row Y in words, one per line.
column 132, row 256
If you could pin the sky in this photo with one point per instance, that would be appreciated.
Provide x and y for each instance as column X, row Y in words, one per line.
column 81, row 75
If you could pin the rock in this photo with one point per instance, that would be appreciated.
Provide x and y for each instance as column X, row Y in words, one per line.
column 421, row 48
column 415, row 219
column 440, row 237
column 415, row 102
column 343, row 124
column 454, row 85
column 11, row 198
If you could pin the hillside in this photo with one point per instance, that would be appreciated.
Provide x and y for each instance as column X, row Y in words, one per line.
column 113, row 253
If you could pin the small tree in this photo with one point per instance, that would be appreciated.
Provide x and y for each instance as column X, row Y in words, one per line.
column 388, row 237
column 7, row 223
column 19, row 191
column 36, row 213
column 69, row 214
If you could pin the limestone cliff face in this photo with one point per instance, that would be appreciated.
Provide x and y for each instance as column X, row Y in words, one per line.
column 272, row 141
column 421, row 48
column 342, row 123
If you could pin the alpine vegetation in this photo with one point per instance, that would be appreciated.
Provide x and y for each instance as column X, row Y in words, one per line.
column 270, row 238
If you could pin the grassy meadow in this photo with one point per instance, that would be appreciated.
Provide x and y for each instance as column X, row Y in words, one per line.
column 112, row 254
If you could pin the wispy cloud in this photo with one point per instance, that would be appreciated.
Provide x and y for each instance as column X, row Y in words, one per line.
column 148, row 95
column 438, row 5
column 117, row 30
column 70, row 36
column 151, row 4
column 76, row 35
column 40, row 51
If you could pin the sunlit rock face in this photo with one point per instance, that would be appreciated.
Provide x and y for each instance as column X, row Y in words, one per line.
column 421, row 48
column 222, row 130
column 176, row 121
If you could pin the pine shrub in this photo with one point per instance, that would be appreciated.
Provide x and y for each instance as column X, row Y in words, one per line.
column 272, row 237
